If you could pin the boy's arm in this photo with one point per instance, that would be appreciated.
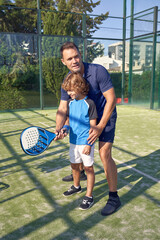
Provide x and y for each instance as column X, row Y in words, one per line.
column 65, row 128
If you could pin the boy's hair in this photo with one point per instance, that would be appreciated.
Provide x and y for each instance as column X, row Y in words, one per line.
column 68, row 45
column 75, row 81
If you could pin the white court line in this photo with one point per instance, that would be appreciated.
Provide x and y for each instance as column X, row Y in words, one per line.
column 136, row 170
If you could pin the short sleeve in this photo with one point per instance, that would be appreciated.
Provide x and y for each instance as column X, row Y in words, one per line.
column 92, row 109
column 104, row 79
column 64, row 95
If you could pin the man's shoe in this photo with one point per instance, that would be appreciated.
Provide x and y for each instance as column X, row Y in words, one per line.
column 69, row 178
column 72, row 191
column 83, row 176
column 86, row 203
column 112, row 205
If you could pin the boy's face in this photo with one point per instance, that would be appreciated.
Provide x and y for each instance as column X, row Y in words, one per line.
column 72, row 59
column 73, row 94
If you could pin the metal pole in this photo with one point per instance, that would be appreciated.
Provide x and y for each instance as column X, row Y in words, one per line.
column 84, row 38
column 123, row 56
column 154, row 57
column 131, row 52
column 159, row 85
column 40, row 53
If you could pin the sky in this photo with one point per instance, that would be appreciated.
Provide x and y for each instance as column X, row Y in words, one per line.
column 112, row 27
column 115, row 7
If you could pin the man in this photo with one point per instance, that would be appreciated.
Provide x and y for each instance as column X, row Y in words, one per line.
column 102, row 93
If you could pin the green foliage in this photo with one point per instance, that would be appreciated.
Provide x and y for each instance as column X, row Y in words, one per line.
column 141, row 85
column 11, row 98
column 18, row 64
column 117, row 83
column 18, row 20
column 53, row 75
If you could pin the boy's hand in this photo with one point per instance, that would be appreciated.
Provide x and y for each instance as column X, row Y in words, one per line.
column 61, row 134
column 86, row 150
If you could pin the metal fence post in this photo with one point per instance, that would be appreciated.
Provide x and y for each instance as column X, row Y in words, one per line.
column 40, row 54
column 159, row 84
column 154, row 57
column 124, row 42
column 131, row 53
column 84, row 38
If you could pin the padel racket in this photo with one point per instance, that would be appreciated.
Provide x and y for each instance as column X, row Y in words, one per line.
column 35, row 140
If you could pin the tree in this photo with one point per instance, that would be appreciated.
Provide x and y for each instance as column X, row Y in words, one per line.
column 62, row 23
column 66, row 21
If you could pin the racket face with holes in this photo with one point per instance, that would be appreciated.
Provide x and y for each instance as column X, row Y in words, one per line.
column 35, row 140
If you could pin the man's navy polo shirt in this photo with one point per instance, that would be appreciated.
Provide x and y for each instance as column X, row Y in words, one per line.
column 99, row 82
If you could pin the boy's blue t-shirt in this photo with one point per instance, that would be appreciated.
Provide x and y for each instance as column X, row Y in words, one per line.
column 80, row 113
column 99, row 82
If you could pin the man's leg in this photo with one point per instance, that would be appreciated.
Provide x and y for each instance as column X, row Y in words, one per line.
column 109, row 165
column 110, row 170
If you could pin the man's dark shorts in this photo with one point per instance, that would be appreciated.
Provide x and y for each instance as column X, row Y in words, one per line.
column 109, row 131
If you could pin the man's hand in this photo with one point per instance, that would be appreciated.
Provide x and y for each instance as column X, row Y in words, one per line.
column 86, row 150
column 94, row 133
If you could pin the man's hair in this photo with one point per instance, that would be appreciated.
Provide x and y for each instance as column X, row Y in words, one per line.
column 68, row 45
column 75, row 81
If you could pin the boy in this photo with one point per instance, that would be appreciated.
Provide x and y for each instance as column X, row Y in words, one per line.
column 81, row 115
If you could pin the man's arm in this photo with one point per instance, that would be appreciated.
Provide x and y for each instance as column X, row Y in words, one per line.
column 95, row 132
column 61, row 116
column 87, row 148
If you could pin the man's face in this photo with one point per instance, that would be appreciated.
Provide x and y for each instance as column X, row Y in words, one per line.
column 72, row 59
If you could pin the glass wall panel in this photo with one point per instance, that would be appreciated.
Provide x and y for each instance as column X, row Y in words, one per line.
column 110, row 58
column 157, row 75
column 142, row 71
column 19, row 72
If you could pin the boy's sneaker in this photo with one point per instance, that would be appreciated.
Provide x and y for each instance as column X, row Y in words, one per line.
column 72, row 191
column 112, row 205
column 86, row 203
column 69, row 178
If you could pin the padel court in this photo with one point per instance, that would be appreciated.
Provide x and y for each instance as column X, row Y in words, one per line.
column 32, row 205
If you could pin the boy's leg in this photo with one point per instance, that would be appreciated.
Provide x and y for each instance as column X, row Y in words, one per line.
column 76, row 174
column 88, row 161
column 75, row 188
column 90, row 180
column 87, row 201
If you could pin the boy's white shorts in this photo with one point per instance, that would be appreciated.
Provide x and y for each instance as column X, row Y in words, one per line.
column 76, row 155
